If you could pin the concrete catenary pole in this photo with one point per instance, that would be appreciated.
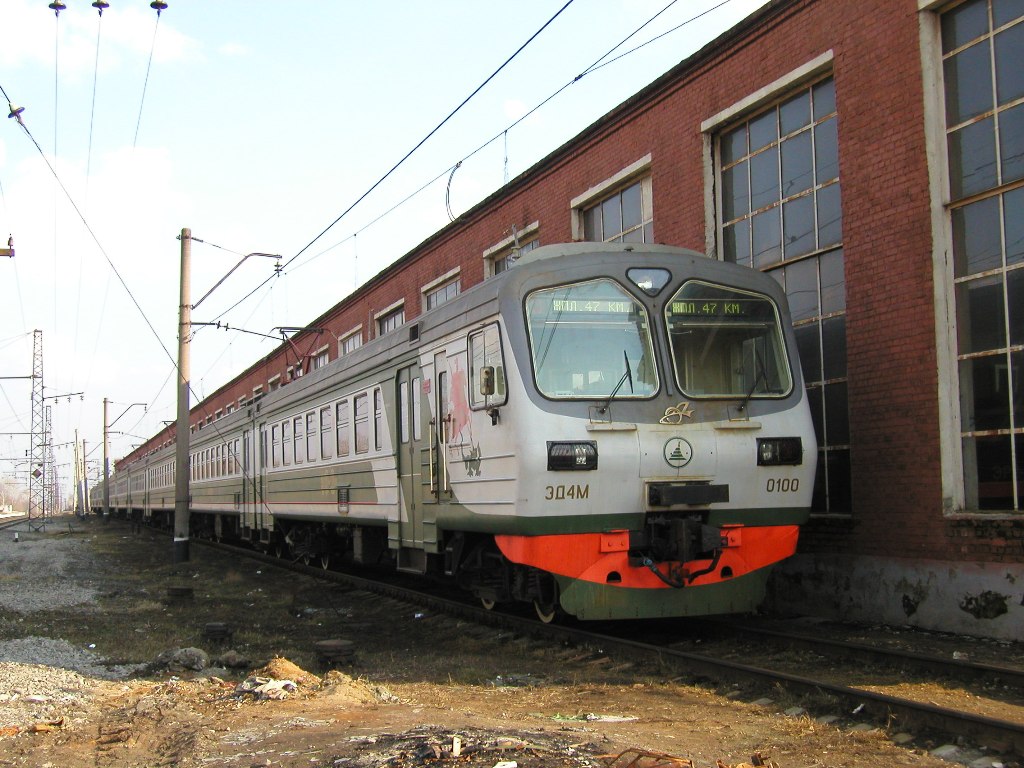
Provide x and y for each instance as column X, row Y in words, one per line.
column 181, row 456
column 106, row 463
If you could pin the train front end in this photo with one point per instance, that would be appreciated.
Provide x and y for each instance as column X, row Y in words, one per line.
column 669, row 459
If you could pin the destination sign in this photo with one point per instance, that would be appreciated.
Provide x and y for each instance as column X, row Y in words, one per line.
column 703, row 308
column 607, row 306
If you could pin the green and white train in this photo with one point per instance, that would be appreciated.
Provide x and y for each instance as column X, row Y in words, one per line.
column 612, row 431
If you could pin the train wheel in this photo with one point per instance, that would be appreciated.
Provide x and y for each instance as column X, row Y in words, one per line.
column 546, row 612
column 487, row 603
column 325, row 561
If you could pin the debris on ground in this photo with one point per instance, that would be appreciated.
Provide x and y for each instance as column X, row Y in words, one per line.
column 265, row 688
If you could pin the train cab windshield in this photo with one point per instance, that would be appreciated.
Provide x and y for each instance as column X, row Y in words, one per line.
column 726, row 343
column 590, row 340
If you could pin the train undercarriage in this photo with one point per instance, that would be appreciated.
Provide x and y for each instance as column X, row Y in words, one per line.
column 676, row 549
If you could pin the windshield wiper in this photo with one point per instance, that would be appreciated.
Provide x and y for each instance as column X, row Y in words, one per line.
column 757, row 380
column 627, row 376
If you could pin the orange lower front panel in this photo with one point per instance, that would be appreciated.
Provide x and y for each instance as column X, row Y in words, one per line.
column 602, row 558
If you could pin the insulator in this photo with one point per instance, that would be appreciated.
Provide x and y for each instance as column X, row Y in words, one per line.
column 158, row 5
column 57, row 6
column 100, row 6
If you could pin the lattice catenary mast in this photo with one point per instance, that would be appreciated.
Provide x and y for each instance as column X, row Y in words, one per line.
column 37, row 452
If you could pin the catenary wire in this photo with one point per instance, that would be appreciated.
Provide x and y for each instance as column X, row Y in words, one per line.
column 92, row 234
column 592, row 68
column 431, row 133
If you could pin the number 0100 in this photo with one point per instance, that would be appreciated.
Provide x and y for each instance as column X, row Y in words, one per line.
column 783, row 485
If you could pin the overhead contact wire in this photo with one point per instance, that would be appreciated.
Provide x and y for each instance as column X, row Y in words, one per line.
column 503, row 134
column 92, row 234
column 432, row 132
column 598, row 64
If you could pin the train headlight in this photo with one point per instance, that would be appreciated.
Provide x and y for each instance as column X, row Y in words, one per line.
column 773, row 451
column 563, row 456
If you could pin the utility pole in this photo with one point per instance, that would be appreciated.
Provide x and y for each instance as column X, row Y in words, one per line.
column 181, row 452
column 106, row 464
column 85, row 482
column 181, row 478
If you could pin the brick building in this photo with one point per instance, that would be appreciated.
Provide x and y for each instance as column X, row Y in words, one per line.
column 870, row 156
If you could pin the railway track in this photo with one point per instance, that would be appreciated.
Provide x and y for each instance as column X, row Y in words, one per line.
column 815, row 691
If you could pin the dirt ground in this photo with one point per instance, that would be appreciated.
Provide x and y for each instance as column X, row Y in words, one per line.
column 419, row 690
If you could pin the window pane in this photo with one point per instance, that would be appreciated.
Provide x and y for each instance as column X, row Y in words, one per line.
column 802, row 289
column 980, row 315
column 830, row 216
column 1015, row 301
column 1013, row 213
column 797, row 169
column 734, row 145
column 963, row 24
column 990, row 406
column 1011, row 139
column 326, row 433
column 592, row 225
column 795, row 113
column 632, row 210
column 312, row 439
column 837, row 419
column 972, row 159
column 416, row 408
column 343, row 421
column 767, row 244
column 815, row 397
column 1017, row 368
column 968, row 83
column 824, row 96
column 634, row 236
column 808, row 344
column 1005, row 11
column 833, row 283
column 764, row 178
column 362, row 424
column 976, row 246
column 763, row 131
column 832, row 482
column 300, row 443
column 798, row 225
column 612, row 215
column 833, row 345
column 1009, row 72
column 826, row 151
column 736, row 243
column 993, row 460
column 735, row 201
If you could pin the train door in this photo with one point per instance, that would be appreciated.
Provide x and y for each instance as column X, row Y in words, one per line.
column 252, row 480
column 440, row 485
column 262, row 516
column 411, row 449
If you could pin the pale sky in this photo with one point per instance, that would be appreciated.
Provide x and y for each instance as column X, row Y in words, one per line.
column 260, row 123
